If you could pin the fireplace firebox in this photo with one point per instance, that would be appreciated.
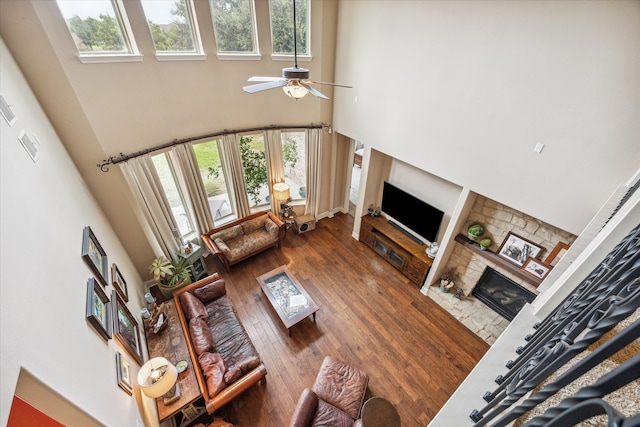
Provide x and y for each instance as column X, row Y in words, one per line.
column 501, row 294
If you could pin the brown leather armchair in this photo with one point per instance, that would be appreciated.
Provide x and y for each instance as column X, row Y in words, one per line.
column 335, row 399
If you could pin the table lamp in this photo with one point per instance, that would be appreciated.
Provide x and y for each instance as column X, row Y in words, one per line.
column 158, row 378
column 281, row 192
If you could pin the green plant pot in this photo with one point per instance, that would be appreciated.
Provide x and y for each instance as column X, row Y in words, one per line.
column 168, row 291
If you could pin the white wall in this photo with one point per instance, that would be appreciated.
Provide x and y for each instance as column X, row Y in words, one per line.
column 44, row 209
column 465, row 89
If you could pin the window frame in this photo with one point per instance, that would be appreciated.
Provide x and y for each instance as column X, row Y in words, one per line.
column 133, row 54
column 302, row 57
column 228, row 55
column 196, row 54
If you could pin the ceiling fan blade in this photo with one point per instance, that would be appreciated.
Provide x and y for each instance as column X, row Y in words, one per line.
column 264, row 79
column 264, row 86
column 327, row 83
column 314, row 91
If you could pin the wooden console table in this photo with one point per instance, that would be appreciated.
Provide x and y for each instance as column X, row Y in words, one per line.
column 170, row 343
column 396, row 247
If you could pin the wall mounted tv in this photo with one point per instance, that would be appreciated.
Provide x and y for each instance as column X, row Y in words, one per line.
column 413, row 213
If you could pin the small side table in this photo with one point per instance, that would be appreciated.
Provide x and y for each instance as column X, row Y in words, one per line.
column 379, row 412
column 195, row 260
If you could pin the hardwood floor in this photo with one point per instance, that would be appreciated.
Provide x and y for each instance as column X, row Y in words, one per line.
column 370, row 316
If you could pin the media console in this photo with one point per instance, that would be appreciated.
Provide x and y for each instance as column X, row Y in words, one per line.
column 396, row 247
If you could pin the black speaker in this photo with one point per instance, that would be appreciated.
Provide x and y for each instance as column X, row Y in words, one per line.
column 305, row 223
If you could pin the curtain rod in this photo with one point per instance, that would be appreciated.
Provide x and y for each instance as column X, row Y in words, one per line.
column 113, row 160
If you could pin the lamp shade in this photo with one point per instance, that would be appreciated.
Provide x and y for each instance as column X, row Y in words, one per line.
column 281, row 191
column 157, row 377
column 295, row 90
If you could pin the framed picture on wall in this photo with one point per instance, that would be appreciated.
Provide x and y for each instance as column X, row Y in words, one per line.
column 98, row 309
column 517, row 249
column 556, row 254
column 94, row 256
column 123, row 373
column 125, row 327
column 535, row 268
column 119, row 283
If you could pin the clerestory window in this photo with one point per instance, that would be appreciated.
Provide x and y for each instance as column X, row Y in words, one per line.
column 173, row 28
column 234, row 25
column 281, row 12
column 100, row 30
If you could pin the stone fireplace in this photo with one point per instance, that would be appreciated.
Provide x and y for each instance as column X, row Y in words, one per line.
column 498, row 220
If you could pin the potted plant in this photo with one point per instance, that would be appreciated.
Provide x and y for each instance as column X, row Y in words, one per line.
column 448, row 280
column 485, row 244
column 170, row 275
column 475, row 231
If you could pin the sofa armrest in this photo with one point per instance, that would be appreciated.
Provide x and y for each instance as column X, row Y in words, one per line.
column 305, row 409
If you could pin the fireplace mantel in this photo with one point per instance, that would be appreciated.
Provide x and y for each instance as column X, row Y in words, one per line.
column 496, row 259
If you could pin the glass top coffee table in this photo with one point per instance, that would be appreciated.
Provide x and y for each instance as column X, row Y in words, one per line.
column 287, row 296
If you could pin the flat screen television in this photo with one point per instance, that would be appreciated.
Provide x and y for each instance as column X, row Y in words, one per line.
column 416, row 215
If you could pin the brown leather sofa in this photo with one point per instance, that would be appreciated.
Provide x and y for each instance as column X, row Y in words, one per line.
column 335, row 399
column 223, row 357
column 245, row 237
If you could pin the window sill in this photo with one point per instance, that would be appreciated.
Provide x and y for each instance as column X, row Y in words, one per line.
column 175, row 56
column 239, row 56
column 105, row 58
column 301, row 58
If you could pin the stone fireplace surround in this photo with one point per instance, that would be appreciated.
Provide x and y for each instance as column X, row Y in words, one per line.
column 498, row 220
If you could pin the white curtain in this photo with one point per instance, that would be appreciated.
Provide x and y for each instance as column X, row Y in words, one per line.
column 185, row 161
column 231, row 159
column 313, row 154
column 143, row 179
column 275, row 163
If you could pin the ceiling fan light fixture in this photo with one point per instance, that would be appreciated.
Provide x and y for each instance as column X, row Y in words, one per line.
column 294, row 90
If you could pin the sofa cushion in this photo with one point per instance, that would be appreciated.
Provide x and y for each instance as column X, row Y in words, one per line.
column 228, row 234
column 201, row 336
column 254, row 224
column 211, row 291
column 328, row 415
column 341, row 385
column 192, row 306
column 213, row 368
column 255, row 241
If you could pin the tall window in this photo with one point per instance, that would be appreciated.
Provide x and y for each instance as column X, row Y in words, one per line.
column 174, row 195
column 254, row 164
column 172, row 25
column 98, row 27
column 234, row 24
column 214, row 180
column 293, row 156
column 282, row 27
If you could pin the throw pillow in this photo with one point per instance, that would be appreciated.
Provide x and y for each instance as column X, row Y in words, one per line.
column 223, row 247
column 201, row 337
column 213, row 368
column 192, row 306
column 271, row 227
column 211, row 291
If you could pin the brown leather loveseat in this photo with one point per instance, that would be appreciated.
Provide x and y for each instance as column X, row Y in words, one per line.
column 335, row 399
column 223, row 357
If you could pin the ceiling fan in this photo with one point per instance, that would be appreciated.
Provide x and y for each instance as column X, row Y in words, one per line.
column 294, row 81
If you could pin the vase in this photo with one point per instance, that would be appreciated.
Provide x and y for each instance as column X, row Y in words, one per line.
column 168, row 291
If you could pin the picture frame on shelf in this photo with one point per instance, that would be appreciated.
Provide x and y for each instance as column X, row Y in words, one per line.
column 517, row 249
column 94, row 256
column 125, row 327
column 119, row 283
column 123, row 373
column 535, row 268
column 98, row 310
column 557, row 253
